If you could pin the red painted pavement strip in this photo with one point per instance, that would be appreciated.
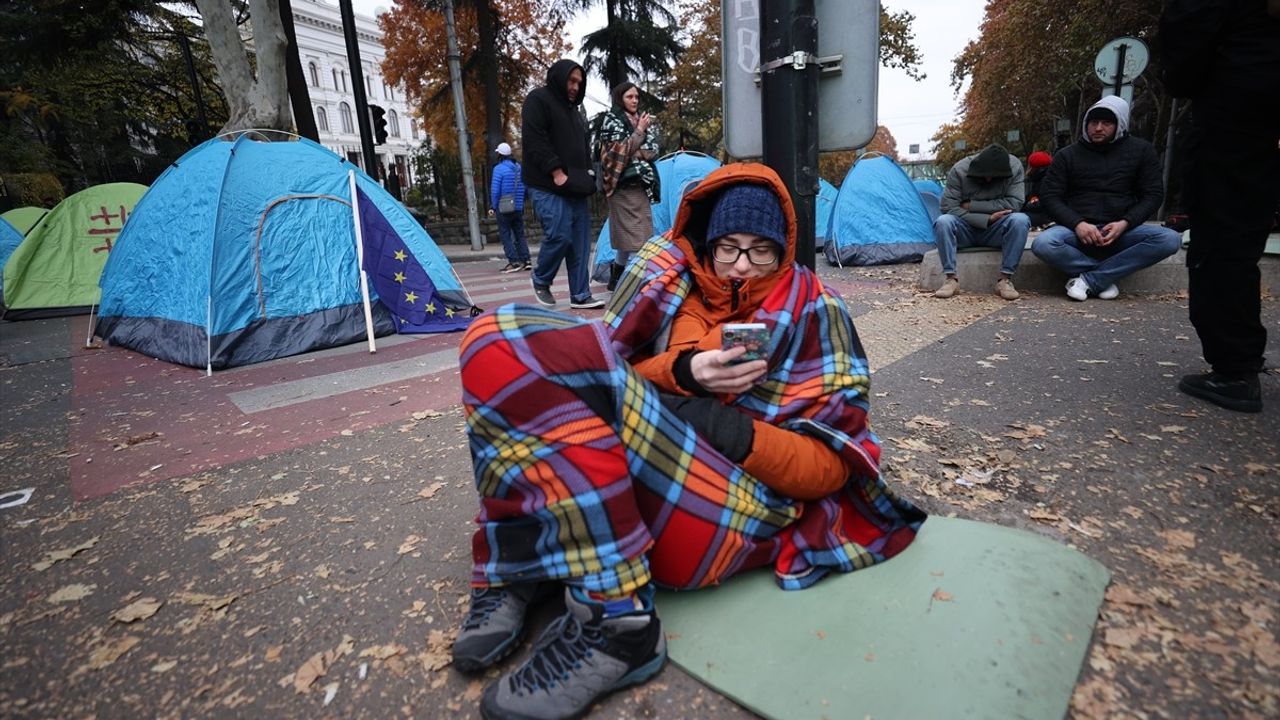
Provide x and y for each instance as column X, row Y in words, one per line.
column 137, row 419
column 183, row 422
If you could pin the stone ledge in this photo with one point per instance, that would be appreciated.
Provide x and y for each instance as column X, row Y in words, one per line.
column 979, row 268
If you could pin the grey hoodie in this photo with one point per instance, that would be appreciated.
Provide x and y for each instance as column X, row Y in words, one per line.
column 1115, row 104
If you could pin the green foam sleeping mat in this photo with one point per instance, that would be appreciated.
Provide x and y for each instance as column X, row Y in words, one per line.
column 971, row 621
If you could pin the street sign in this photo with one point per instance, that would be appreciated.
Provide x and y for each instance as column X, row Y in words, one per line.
column 1135, row 57
column 848, row 51
column 1126, row 92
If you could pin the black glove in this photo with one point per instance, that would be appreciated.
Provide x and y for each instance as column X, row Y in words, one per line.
column 728, row 430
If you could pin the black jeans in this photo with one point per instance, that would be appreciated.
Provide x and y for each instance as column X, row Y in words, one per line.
column 1232, row 190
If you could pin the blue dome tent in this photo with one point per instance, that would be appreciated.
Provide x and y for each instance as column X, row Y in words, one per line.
column 10, row 239
column 826, row 202
column 878, row 218
column 676, row 172
column 244, row 251
column 925, row 185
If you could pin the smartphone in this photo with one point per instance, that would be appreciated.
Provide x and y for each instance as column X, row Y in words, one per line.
column 753, row 336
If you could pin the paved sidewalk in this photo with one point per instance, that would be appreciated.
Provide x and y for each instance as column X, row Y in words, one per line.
column 292, row 539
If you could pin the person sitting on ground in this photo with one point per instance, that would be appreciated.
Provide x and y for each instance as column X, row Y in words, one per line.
column 506, row 203
column 610, row 458
column 1100, row 190
column 980, row 206
column 1039, row 162
column 628, row 145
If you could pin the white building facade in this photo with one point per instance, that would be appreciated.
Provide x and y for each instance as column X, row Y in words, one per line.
column 323, row 52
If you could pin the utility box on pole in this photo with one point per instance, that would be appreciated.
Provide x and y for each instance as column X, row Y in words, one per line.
column 848, row 30
column 791, row 91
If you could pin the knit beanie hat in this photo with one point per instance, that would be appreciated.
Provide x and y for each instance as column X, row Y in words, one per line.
column 992, row 162
column 1039, row 159
column 1100, row 113
column 751, row 209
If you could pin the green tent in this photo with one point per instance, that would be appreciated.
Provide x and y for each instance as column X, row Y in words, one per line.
column 56, row 268
column 23, row 218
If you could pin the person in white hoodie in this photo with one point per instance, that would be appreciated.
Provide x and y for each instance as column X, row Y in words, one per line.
column 1100, row 190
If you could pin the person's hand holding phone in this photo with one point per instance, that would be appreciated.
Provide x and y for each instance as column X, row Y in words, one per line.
column 716, row 370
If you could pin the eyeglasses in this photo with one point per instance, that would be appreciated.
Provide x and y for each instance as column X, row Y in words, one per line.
column 756, row 254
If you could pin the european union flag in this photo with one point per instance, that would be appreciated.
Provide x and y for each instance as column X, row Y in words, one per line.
column 400, row 281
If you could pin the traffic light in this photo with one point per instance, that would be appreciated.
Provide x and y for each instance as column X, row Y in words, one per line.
column 379, row 124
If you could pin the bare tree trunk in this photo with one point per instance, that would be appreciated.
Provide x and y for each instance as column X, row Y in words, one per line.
column 260, row 103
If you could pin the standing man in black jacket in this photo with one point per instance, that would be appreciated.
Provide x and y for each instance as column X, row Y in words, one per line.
column 1225, row 56
column 1100, row 190
column 557, row 171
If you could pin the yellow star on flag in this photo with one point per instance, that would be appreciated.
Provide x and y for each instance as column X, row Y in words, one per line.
column 431, row 308
column 448, row 312
column 403, row 321
column 401, row 255
column 399, row 277
column 411, row 297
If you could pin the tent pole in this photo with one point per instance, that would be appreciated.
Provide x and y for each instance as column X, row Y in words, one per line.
column 208, row 337
column 364, row 278
column 88, row 339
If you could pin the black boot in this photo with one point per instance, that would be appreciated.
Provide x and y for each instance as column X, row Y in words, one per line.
column 615, row 272
column 1240, row 393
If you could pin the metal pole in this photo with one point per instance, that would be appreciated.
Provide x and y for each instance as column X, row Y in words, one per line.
column 1121, row 49
column 460, row 117
column 789, row 33
column 1168, row 160
column 357, row 79
column 195, row 82
column 299, row 97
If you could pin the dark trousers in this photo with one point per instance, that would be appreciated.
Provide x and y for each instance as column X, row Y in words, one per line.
column 1232, row 188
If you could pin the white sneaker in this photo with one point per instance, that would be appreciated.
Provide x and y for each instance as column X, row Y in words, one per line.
column 1111, row 293
column 1077, row 289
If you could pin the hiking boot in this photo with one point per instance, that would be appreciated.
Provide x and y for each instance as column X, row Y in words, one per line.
column 1005, row 289
column 1077, row 289
column 1111, row 293
column 581, row 657
column 586, row 303
column 950, row 287
column 1242, row 393
column 543, row 293
column 493, row 625
column 511, row 267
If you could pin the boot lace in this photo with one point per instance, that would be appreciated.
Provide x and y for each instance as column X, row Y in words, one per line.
column 562, row 647
column 483, row 603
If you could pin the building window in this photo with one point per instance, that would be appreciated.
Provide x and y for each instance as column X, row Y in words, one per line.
column 393, row 123
column 339, row 80
column 315, row 74
column 322, row 119
column 344, row 112
column 413, row 128
column 368, row 84
column 336, row 86
column 385, row 95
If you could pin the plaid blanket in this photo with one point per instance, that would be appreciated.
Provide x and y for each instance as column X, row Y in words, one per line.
column 585, row 476
column 817, row 384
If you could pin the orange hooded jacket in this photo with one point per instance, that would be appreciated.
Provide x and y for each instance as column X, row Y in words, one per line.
column 792, row 464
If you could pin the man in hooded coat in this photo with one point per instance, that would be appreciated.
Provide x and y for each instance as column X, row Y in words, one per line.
column 980, row 206
column 1100, row 190
column 557, row 171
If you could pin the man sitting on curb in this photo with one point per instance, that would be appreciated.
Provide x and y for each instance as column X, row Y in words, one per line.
column 979, row 207
column 1100, row 190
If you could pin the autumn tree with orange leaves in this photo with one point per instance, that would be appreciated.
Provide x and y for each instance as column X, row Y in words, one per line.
column 527, row 39
column 1033, row 63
